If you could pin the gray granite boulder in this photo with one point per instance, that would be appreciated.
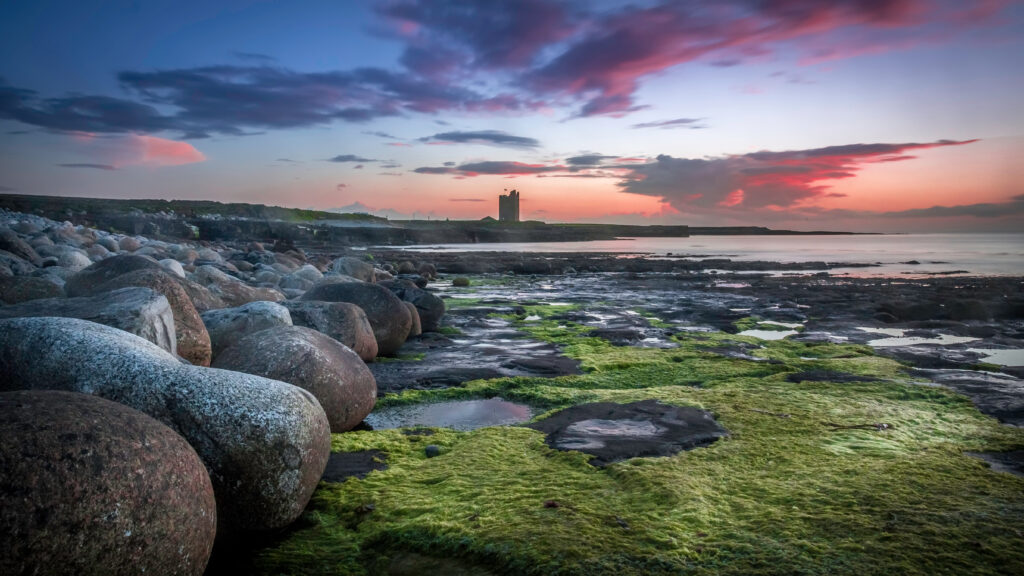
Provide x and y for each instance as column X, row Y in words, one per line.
column 18, row 266
column 129, row 244
column 74, row 260
column 11, row 242
column 89, row 486
column 312, row 361
column 265, row 443
column 173, row 266
column 387, row 315
column 354, row 267
column 229, row 325
column 88, row 281
column 430, row 307
column 231, row 290
column 343, row 321
column 140, row 311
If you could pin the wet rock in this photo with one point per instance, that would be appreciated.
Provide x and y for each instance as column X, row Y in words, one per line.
column 173, row 267
column 17, row 266
column 344, row 465
column 431, row 308
column 343, row 321
column 354, row 267
column 460, row 282
column 998, row 395
column 265, row 443
column 967, row 310
column 334, row 374
column 1011, row 462
column 229, row 325
column 138, row 311
column 88, row 486
column 192, row 338
column 613, row 432
column 15, row 289
column 431, row 450
column 415, row 329
column 545, row 366
column 232, row 291
column 74, row 260
column 88, row 281
column 427, row 270
column 387, row 315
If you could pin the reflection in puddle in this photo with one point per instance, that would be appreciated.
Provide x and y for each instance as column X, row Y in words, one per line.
column 784, row 324
column 592, row 433
column 894, row 332
column 942, row 340
column 768, row 334
column 1004, row 357
column 459, row 415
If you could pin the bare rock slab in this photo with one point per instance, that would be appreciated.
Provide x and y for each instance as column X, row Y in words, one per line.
column 89, row 486
column 613, row 432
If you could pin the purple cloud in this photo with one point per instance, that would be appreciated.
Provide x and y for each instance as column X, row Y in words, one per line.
column 88, row 165
column 490, row 137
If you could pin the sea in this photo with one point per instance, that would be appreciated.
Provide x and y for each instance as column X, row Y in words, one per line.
column 907, row 255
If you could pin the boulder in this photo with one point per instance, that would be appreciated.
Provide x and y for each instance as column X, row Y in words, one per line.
column 354, row 267
column 312, row 361
column 88, row 486
column 430, row 307
column 232, row 290
column 381, row 275
column 460, row 282
column 15, row 289
column 406, row 267
column 192, row 339
column 109, row 243
column 308, row 272
column 427, row 270
column 293, row 282
column 229, row 325
column 265, row 443
column 343, row 321
column 416, row 328
column 173, row 266
column 74, row 260
column 97, row 252
column 18, row 266
column 140, row 311
column 129, row 244
column 87, row 281
column 387, row 315
column 11, row 242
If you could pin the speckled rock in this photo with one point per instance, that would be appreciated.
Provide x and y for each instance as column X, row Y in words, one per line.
column 308, row 272
column 343, row 321
column 430, row 307
column 354, row 267
column 74, row 260
column 229, row 325
column 88, row 486
column 15, row 289
column 265, row 443
column 18, row 266
column 312, row 361
column 192, row 339
column 388, row 316
column 139, row 311
column 415, row 328
column 173, row 266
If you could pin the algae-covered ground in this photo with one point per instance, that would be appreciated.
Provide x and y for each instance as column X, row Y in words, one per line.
column 816, row 477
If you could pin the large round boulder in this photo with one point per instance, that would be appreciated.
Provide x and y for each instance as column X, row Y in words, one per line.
column 88, row 486
column 229, row 325
column 11, row 242
column 140, row 311
column 388, row 317
column 265, row 443
column 231, row 290
column 15, row 289
column 312, row 361
column 354, row 267
column 193, row 340
column 343, row 321
column 430, row 307
column 88, row 281
column 416, row 328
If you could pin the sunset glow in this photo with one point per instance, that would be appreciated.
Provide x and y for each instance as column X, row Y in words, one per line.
column 901, row 115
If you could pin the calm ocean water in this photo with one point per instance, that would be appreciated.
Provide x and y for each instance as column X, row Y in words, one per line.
column 977, row 254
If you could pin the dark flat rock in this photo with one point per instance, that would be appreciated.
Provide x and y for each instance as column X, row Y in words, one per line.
column 344, row 465
column 613, row 432
column 1011, row 462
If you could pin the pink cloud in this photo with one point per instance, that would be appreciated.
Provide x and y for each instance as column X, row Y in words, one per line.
column 154, row 151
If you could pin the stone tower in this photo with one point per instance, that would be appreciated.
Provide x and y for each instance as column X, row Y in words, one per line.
column 508, row 207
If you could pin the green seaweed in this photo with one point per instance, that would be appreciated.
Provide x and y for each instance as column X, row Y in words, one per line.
column 790, row 491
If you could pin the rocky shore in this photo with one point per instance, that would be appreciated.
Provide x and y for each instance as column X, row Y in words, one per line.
column 292, row 408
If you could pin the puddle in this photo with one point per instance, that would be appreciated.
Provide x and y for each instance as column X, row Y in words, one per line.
column 1003, row 357
column 942, row 340
column 531, row 318
column 768, row 334
column 732, row 285
column 894, row 332
column 591, row 434
column 783, row 324
column 458, row 414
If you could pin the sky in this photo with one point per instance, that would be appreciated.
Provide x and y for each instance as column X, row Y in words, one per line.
column 860, row 115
